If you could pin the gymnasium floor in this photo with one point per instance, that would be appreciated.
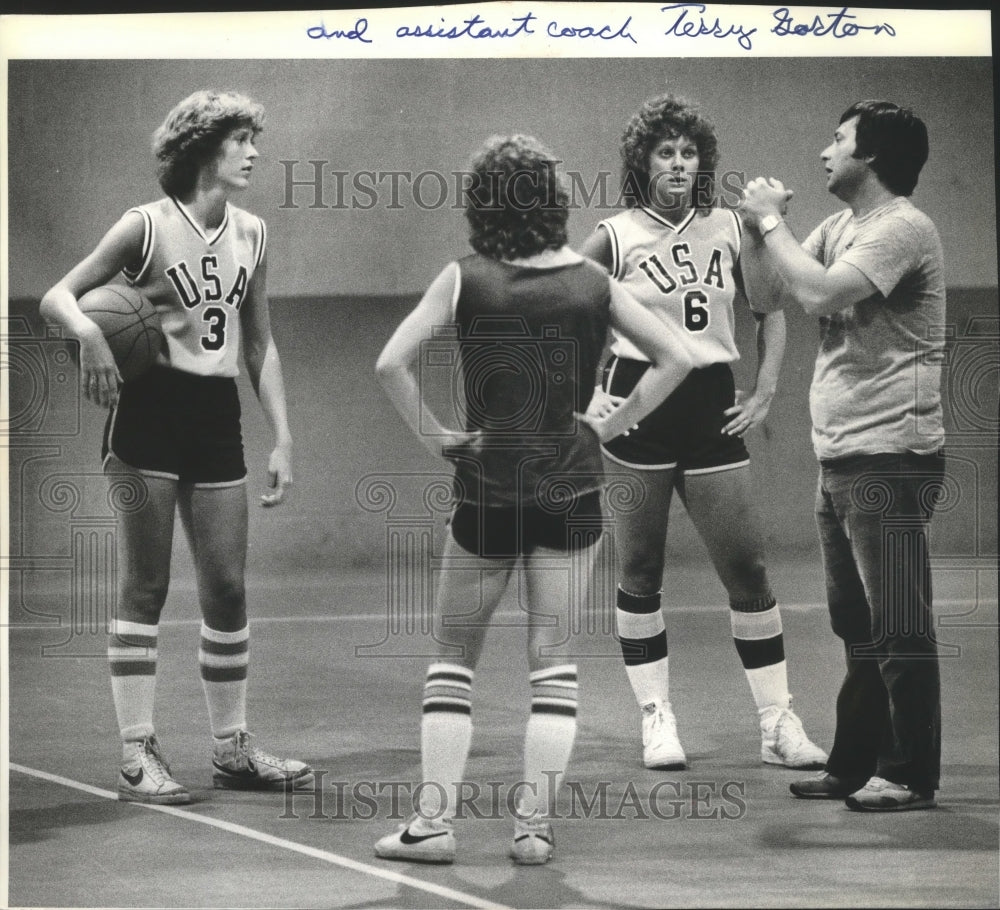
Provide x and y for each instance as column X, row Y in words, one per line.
column 728, row 832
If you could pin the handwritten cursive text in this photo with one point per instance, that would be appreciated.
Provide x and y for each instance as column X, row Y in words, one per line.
column 355, row 34
column 839, row 25
column 555, row 30
column 470, row 28
column 682, row 27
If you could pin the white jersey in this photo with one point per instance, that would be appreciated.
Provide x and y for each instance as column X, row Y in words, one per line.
column 198, row 282
column 686, row 275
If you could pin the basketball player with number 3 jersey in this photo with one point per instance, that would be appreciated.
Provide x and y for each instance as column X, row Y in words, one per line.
column 678, row 254
column 198, row 280
column 174, row 435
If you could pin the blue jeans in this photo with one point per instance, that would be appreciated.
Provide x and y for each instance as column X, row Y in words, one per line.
column 873, row 512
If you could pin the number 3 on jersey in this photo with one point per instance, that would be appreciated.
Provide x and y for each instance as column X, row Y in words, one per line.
column 215, row 339
column 696, row 315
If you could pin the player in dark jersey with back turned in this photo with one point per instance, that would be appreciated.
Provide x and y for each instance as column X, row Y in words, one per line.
column 532, row 317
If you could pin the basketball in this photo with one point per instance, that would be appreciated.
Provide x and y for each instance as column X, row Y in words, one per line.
column 130, row 324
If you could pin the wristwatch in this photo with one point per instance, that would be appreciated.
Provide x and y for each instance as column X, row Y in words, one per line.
column 768, row 223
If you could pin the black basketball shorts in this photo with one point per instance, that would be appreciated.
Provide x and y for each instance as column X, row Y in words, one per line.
column 685, row 431
column 509, row 531
column 178, row 425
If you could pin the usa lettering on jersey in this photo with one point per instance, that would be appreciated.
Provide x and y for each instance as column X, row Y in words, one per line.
column 684, row 274
column 697, row 314
column 198, row 282
column 191, row 295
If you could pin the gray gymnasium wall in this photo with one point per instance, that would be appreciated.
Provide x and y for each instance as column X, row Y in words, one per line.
column 341, row 278
column 79, row 147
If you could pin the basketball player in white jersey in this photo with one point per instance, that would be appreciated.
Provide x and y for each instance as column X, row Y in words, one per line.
column 175, row 430
column 678, row 253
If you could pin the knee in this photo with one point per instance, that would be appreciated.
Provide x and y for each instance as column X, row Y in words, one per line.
column 142, row 600
column 227, row 595
column 642, row 573
column 747, row 579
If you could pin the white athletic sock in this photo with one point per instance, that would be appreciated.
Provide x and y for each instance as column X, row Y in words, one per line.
column 132, row 659
column 223, row 658
column 643, row 638
column 760, row 643
column 445, row 737
column 548, row 739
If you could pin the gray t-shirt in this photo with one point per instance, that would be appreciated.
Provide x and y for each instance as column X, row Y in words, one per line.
column 877, row 383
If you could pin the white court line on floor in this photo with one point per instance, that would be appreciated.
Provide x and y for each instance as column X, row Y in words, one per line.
column 501, row 614
column 459, row 897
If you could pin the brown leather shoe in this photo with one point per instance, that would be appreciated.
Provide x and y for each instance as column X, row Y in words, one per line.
column 826, row 786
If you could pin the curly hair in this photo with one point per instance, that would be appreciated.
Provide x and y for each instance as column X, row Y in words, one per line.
column 193, row 131
column 667, row 116
column 895, row 138
column 516, row 203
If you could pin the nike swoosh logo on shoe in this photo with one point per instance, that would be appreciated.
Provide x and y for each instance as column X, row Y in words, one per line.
column 408, row 838
column 133, row 779
column 539, row 836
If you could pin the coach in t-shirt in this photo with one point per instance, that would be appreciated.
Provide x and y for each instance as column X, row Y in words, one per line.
column 874, row 274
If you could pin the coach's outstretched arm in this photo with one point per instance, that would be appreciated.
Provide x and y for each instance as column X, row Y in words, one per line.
column 817, row 289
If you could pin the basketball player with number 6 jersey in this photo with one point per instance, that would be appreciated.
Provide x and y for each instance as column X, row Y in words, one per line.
column 687, row 274
column 678, row 254
column 173, row 433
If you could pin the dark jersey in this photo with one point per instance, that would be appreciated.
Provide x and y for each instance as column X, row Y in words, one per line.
column 530, row 340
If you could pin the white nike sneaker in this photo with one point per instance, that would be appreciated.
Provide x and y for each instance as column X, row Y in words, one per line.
column 660, row 746
column 784, row 742
column 419, row 840
column 145, row 777
column 237, row 765
column 533, row 841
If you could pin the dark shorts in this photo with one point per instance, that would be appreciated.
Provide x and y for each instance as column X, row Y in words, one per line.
column 507, row 532
column 177, row 425
column 685, row 431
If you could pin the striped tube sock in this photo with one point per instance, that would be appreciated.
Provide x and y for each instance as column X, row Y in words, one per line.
column 761, row 645
column 548, row 740
column 643, row 639
column 223, row 658
column 445, row 736
column 132, row 658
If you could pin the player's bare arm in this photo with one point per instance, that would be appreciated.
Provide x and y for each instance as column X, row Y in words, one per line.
column 119, row 247
column 598, row 248
column 395, row 365
column 264, row 369
column 750, row 410
column 657, row 341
